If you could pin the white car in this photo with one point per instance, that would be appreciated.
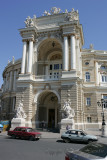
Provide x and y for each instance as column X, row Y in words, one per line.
column 78, row 136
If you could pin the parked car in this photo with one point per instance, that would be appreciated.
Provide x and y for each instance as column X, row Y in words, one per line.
column 77, row 136
column 93, row 151
column 24, row 133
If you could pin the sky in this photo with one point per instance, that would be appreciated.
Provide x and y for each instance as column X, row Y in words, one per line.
column 13, row 13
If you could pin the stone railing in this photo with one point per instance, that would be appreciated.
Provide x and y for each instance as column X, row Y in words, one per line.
column 48, row 77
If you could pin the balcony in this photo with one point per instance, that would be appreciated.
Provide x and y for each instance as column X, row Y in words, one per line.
column 48, row 77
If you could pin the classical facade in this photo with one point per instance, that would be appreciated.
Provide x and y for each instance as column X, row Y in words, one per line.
column 55, row 69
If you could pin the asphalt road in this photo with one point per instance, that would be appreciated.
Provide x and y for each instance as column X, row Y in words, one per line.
column 43, row 149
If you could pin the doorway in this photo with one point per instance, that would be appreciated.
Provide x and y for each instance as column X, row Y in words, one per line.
column 51, row 118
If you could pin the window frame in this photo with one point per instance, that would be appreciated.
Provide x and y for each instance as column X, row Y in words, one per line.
column 88, row 101
column 87, row 76
column 89, row 119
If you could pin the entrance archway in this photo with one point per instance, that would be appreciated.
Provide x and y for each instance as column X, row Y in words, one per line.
column 47, row 104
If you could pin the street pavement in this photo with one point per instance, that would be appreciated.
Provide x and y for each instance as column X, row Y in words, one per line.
column 50, row 147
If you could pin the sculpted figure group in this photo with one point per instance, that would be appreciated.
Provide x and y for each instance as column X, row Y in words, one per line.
column 68, row 111
column 20, row 111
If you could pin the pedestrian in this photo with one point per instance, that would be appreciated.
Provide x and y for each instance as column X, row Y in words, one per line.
column 67, row 127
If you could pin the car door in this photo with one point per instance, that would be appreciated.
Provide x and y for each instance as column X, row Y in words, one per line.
column 17, row 132
column 72, row 136
column 79, row 136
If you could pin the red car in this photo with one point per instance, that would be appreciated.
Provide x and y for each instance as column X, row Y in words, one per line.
column 24, row 133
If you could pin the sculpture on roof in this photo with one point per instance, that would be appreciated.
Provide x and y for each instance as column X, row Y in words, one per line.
column 13, row 60
column 55, row 10
column 73, row 15
column 29, row 22
column 91, row 46
column 46, row 13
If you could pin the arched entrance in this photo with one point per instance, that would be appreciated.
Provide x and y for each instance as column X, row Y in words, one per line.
column 48, row 112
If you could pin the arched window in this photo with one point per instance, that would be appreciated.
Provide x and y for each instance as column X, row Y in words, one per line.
column 87, row 77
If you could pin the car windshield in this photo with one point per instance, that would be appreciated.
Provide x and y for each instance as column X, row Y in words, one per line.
column 30, row 130
column 97, row 149
column 84, row 133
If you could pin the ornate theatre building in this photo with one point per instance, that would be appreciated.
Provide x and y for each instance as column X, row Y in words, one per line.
column 54, row 70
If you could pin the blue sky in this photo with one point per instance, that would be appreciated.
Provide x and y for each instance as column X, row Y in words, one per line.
column 92, row 13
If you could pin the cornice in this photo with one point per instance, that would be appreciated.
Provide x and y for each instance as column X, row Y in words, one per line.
column 22, row 30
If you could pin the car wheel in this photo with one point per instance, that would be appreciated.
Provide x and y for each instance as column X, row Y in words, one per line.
column 31, row 138
column 67, row 140
column 13, row 136
column 22, row 138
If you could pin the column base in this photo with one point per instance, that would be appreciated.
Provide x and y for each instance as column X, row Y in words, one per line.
column 69, row 74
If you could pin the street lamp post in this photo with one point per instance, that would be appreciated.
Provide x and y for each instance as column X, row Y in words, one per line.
column 102, row 104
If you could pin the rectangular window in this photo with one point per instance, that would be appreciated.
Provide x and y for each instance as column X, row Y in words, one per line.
column 88, row 101
column 87, row 76
column 105, row 100
column 56, row 66
column 89, row 120
column 104, row 78
column 50, row 75
column 50, row 66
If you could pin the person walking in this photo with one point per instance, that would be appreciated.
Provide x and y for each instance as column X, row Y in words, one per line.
column 67, row 127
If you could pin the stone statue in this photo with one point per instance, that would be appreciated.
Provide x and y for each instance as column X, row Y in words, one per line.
column 13, row 60
column 91, row 46
column 66, row 11
column 46, row 13
column 20, row 112
column 29, row 22
column 71, row 16
column 8, row 61
column 68, row 111
column 55, row 10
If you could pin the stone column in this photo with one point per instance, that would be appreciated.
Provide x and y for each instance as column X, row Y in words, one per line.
column 96, row 73
column 10, row 83
column 24, row 57
column 14, row 81
column 4, row 85
column 73, row 53
column 46, row 70
column 65, row 54
column 30, row 57
column 36, row 64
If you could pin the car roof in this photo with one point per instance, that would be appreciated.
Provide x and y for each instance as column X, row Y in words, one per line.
column 75, row 130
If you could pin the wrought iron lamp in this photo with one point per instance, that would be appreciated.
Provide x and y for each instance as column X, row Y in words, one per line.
column 102, row 103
